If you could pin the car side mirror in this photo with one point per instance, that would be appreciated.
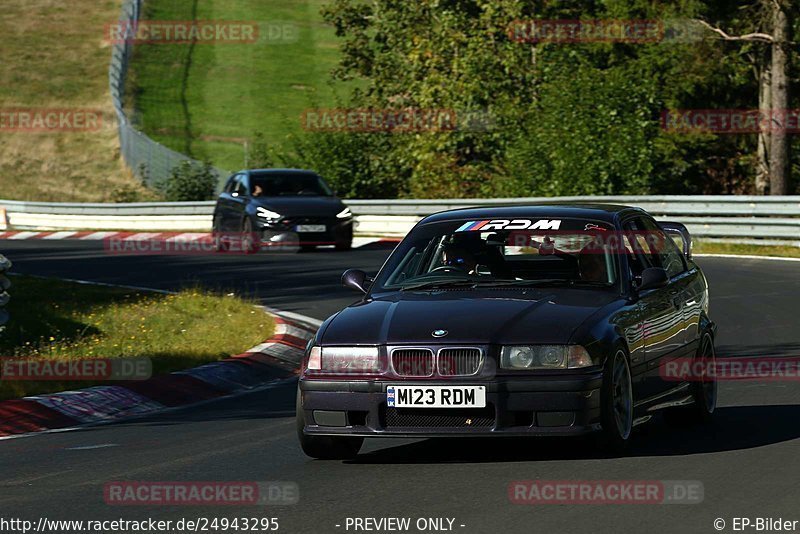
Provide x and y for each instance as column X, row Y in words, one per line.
column 355, row 279
column 653, row 278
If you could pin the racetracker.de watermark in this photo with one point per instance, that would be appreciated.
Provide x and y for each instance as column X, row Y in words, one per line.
column 43, row 120
column 200, row 32
column 606, row 31
column 205, row 493
column 731, row 121
column 541, row 492
column 193, row 244
column 741, row 368
column 597, row 241
column 407, row 120
column 586, row 31
column 92, row 369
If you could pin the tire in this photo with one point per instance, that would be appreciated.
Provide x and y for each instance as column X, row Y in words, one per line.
column 249, row 237
column 616, row 404
column 325, row 447
column 704, row 392
column 344, row 245
column 220, row 244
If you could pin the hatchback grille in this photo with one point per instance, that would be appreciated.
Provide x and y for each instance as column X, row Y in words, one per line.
column 459, row 361
column 292, row 220
column 440, row 418
column 412, row 362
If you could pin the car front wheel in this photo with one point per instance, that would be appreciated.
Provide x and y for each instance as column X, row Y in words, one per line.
column 617, row 403
column 220, row 242
column 250, row 239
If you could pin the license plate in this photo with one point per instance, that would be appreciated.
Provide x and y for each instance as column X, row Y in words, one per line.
column 436, row 396
column 311, row 228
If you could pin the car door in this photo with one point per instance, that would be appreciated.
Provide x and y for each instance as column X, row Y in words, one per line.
column 240, row 197
column 223, row 209
column 660, row 309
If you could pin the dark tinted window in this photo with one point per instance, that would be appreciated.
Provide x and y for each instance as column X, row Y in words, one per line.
column 289, row 184
column 525, row 251
column 651, row 247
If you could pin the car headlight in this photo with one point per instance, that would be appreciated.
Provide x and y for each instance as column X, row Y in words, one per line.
column 344, row 214
column 345, row 360
column 545, row 357
column 267, row 214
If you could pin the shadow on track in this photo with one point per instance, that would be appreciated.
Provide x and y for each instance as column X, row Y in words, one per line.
column 740, row 427
column 756, row 351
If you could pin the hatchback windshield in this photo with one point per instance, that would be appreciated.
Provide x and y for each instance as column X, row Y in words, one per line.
column 290, row 184
column 467, row 254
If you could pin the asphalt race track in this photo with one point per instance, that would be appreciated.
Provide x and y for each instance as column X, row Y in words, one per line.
column 747, row 460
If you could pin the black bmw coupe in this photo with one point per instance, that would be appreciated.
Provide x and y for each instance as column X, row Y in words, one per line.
column 515, row 321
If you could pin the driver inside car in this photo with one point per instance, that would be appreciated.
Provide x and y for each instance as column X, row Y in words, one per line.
column 459, row 258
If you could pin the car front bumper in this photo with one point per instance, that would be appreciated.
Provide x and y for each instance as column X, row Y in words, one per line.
column 556, row 406
column 337, row 231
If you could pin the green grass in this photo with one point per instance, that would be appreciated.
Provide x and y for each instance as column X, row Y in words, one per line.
column 63, row 320
column 54, row 56
column 712, row 247
column 206, row 100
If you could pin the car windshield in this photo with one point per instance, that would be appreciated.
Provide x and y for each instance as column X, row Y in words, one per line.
column 498, row 253
column 289, row 184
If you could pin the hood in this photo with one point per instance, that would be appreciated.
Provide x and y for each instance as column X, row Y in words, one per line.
column 495, row 317
column 302, row 205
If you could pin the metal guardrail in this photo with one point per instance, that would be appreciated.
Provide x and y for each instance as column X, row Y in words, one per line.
column 126, row 209
column 748, row 217
column 5, row 283
column 706, row 205
column 147, row 159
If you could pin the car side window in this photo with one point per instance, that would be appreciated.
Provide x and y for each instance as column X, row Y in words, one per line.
column 231, row 185
column 640, row 257
column 239, row 187
column 669, row 257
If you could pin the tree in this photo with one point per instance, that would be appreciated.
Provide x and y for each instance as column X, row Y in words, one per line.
column 773, row 158
column 568, row 118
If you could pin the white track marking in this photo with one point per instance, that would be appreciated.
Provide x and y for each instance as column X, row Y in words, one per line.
column 97, row 236
column 59, row 235
column 25, row 235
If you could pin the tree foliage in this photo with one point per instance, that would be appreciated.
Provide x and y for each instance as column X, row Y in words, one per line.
column 565, row 118
column 189, row 182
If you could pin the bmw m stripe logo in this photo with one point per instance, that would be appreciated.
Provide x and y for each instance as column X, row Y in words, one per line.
column 470, row 226
column 512, row 224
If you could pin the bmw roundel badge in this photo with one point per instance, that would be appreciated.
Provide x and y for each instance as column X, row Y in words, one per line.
column 439, row 333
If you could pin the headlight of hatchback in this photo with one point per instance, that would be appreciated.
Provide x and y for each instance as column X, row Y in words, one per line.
column 345, row 214
column 345, row 360
column 545, row 357
column 267, row 214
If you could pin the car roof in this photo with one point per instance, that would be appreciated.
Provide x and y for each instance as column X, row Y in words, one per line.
column 280, row 171
column 579, row 210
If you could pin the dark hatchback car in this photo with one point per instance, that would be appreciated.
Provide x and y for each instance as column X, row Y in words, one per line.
column 278, row 206
column 514, row 321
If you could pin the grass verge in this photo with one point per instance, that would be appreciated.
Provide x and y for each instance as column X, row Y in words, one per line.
column 207, row 100
column 52, row 319
column 54, row 56
column 712, row 247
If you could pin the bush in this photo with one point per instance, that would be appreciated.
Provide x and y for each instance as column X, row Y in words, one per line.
column 189, row 182
column 357, row 165
column 258, row 156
